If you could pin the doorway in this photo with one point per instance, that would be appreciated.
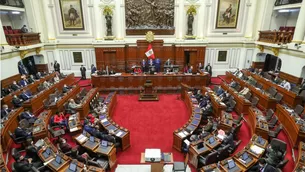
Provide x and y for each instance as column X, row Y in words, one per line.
column 29, row 63
column 190, row 58
column 272, row 63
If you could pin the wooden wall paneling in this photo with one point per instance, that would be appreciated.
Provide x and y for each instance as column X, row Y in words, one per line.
column 179, row 57
column 99, row 58
column 42, row 67
column 8, row 81
column 290, row 78
column 259, row 65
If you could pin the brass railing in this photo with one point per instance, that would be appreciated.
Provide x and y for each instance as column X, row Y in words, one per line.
column 275, row 37
column 22, row 39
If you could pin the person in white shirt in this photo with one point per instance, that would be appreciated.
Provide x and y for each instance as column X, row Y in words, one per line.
column 244, row 91
column 56, row 78
column 286, row 85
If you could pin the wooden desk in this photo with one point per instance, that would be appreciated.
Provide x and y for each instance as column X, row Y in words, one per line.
column 225, row 124
column 142, row 160
column 237, row 168
column 109, row 152
column 128, row 82
column 10, row 125
column 292, row 129
column 194, row 152
column 180, row 134
column 213, row 145
column 289, row 97
column 58, row 106
column 248, row 163
column 36, row 103
column 40, row 129
column 260, row 128
column 300, row 161
column 85, row 107
column 265, row 102
column 2, row 162
column 61, row 167
column 242, row 104
column 218, row 107
column 32, row 87
column 211, row 167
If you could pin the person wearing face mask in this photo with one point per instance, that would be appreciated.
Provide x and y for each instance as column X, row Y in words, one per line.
column 262, row 166
column 15, row 86
column 17, row 102
column 5, row 111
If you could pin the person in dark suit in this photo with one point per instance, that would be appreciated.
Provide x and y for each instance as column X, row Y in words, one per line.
column 158, row 64
column 15, row 86
column 25, row 165
column 229, row 140
column 83, row 72
column 23, row 82
column 31, row 68
column 63, row 145
column 93, row 69
column 208, row 69
column 21, row 68
column 209, row 126
column 56, row 67
column 31, row 79
column 274, row 156
column 28, row 116
column 143, row 65
column 5, row 111
column 5, row 91
column 66, row 88
column 21, row 133
column 32, row 151
column 219, row 91
column 17, row 102
column 26, row 95
column 168, row 62
column 262, row 166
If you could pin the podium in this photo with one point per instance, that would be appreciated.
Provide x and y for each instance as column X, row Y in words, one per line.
column 148, row 94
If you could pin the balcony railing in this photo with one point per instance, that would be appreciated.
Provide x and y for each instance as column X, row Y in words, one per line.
column 276, row 37
column 286, row 2
column 22, row 39
column 15, row 3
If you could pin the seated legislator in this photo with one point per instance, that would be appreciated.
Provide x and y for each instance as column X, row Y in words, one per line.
column 23, row 82
column 277, row 80
column 219, row 91
column 236, row 72
column 63, row 145
column 22, row 133
column 25, row 165
column 46, row 84
column 228, row 140
column 28, row 116
column 32, row 152
column 66, row 88
column 26, row 95
column 15, row 86
column 31, row 79
column 233, row 83
column 225, row 97
column 72, row 105
column 38, row 75
column 17, row 102
column 6, row 91
column 244, row 91
column 56, row 78
column 60, row 119
column 200, row 67
column 190, row 69
column 262, row 166
column 84, row 158
column 260, row 72
column 168, row 62
column 186, row 69
column 93, row 69
column 5, row 111
column 286, row 85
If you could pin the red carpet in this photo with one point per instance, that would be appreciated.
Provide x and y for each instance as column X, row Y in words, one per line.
column 151, row 125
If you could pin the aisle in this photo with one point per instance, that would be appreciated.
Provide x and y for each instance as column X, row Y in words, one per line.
column 151, row 124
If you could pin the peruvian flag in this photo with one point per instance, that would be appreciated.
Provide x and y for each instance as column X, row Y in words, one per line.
column 150, row 53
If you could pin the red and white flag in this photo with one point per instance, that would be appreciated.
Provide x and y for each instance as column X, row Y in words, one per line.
column 150, row 53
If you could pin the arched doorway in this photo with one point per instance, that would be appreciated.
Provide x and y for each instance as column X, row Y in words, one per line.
column 272, row 63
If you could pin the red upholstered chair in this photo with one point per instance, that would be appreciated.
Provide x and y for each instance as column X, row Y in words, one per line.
column 4, row 28
column 9, row 27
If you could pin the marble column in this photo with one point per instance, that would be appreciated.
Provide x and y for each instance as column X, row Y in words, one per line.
column 299, row 32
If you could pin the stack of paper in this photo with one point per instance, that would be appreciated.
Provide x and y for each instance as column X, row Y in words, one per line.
column 257, row 150
column 104, row 120
column 187, row 142
column 81, row 138
column 181, row 134
column 119, row 134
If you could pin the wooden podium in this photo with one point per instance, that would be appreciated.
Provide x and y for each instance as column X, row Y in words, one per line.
column 149, row 94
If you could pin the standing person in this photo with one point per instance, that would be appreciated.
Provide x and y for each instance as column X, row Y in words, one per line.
column 143, row 64
column 83, row 72
column 22, row 69
column 31, row 68
column 158, row 64
column 208, row 69
column 93, row 69
column 56, row 66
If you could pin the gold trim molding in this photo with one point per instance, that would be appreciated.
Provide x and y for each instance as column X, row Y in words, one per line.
column 38, row 50
column 261, row 48
column 23, row 53
column 275, row 51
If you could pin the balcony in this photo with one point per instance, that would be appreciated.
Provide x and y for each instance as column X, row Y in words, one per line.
column 15, row 37
column 10, row 3
column 286, row 2
column 282, row 36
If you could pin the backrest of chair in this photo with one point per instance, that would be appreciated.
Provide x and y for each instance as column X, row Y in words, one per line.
column 274, row 120
column 224, row 153
column 258, row 85
column 211, row 158
column 281, row 145
column 237, row 128
column 299, row 109
column 278, row 128
column 248, row 95
column 269, row 113
column 278, row 97
column 24, row 124
column 254, row 101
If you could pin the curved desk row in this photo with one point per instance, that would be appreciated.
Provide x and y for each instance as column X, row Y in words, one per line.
column 300, row 162
column 218, row 106
column 36, row 102
column 289, row 97
column 128, row 82
column 294, row 131
column 32, row 87
column 85, row 107
column 242, row 104
column 265, row 102
column 195, row 117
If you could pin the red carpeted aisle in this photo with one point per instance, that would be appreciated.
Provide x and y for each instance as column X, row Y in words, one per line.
column 151, row 124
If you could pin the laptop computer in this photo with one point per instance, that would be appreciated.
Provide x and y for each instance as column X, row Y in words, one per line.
column 245, row 156
column 46, row 153
column 58, row 159
column 211, row 140
column 260, row 140
column 91, row 139
column 200, row 145
column 231, row 164
column 104, row 143
column 73, row 167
